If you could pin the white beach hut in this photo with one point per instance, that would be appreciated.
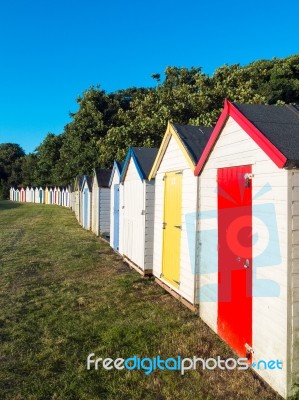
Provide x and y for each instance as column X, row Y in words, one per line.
column 32, row 195
column 101, row 202
column 77, row 190
column 17, row 195
column 86, row 202
column 115, row 206
column 176, row 197
column 28, row 195
column 248, row 237
column 12, row 194
column 137, row 217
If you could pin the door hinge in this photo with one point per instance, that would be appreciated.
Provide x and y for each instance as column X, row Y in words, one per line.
column 161, row 275
column 164, row 225
column 248, row 348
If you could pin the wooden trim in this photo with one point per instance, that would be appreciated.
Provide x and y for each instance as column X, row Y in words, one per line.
column 161, row 152
column 131, row 264
column 260, row 139
column 176, row 295
column 170, row 132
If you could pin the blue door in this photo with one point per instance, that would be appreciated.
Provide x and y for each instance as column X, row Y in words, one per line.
column 85, row 215
column 116, row 218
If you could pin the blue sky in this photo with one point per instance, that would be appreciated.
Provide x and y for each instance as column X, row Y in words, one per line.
column 51, row 51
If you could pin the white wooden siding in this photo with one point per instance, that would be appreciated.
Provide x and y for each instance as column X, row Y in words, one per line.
column 89, row 205
column 104, row 202
column 149, row 224
column 121, row 219
column 174, row 160
column 133, row 218
column 77, row 203
column 233, row 148
column 28, row 195
column 293, row 313
column 115, row 181
column 95, row 208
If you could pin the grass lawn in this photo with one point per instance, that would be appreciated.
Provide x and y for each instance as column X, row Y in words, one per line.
column 65, row 294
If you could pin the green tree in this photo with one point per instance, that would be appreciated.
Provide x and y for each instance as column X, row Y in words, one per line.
column 11, row 156
column 47, row 156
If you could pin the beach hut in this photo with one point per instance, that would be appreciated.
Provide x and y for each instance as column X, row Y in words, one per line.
column 115, row 206
column 77, row 190
column 176, row 190
column 54, row 198
column 100, row 214
column 51, row 196
column 64, row 197
column 72, row 198
column 32, row 195
column 17, row 195
column 46, row 195
column 137, row 217
column 11, row 194
column 58, row 197
column 248, row 237
column 28, row 195
column 86, row 202
column 41, row 195
column 36, row 195
column 23, row 195
column 68, row 196
column 62, row 202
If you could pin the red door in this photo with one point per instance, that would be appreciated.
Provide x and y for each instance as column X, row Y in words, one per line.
column 235, row 257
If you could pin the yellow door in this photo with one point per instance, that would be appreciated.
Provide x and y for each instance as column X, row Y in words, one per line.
column 172, row 227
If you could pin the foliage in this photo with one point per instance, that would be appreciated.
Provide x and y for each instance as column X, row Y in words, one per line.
column 105, row 125
column 11, row 156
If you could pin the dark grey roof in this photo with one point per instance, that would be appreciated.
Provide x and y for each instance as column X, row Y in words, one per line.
column 89, row 182
column 103, row 176
column 79, row 179
column 145, row 157
column 120, row 165
column 194, row 138
column 279, row 124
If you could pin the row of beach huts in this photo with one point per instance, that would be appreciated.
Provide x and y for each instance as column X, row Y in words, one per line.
column 213, row 214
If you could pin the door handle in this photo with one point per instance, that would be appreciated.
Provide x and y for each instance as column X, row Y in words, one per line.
column 247, row 263
column 178, row 226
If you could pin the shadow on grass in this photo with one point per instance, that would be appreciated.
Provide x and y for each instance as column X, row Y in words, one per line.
column 7, row 205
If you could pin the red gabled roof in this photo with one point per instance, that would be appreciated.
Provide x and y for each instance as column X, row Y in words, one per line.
column 231, row 111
